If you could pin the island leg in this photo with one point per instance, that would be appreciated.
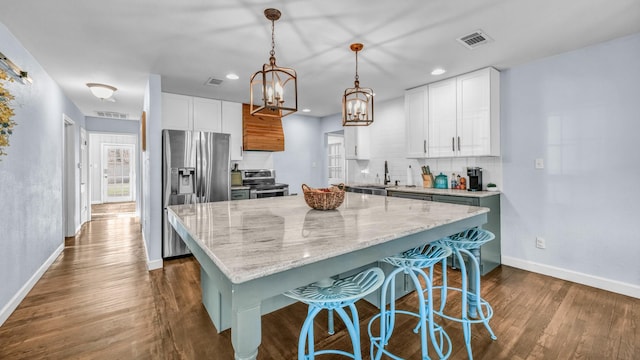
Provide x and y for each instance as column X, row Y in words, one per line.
column 246, row 333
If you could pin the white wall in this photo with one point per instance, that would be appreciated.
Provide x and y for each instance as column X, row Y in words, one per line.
column 31, row 178
column 580, row 112
column 151, row 207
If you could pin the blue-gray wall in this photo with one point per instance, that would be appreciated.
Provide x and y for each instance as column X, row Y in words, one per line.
column 31, row 218
column 580, row 112
column 301, row 162
column 102, row 125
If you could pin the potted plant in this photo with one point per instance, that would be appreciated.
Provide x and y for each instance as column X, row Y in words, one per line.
column 492, row 187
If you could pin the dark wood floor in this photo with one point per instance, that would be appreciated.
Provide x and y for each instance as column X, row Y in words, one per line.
column 98, row 301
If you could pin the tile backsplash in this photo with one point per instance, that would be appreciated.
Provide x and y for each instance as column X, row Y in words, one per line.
column 365, row 171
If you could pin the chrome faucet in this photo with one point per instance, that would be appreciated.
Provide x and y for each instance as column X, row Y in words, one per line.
column 387, row 178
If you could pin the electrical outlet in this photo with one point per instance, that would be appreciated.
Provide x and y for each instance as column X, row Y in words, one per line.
column 539, row 164
column 540, row 243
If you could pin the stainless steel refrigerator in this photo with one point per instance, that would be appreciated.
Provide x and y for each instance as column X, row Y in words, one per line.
column 195, row 169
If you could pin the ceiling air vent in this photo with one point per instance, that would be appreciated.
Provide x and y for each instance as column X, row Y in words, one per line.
column 213, row 82
column 112, row 115
column 475, row 39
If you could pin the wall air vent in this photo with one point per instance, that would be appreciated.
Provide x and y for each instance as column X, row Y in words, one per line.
column 475, row 39
column 112, row 115
column 213, row 82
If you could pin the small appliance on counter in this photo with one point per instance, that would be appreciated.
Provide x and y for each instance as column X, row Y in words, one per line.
column 475, row 178
column 441, row 181
column 236, row 176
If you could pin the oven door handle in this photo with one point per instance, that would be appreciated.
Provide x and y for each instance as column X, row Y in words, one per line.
column 268, row 191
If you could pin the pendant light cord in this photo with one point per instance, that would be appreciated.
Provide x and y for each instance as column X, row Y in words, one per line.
column 273, row 38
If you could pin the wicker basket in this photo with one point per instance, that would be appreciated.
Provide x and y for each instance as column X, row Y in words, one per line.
column 324, row 199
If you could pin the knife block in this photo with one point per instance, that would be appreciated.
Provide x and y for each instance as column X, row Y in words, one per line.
column 427, row 181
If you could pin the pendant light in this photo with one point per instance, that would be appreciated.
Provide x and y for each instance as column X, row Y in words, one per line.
column 274, row 88
column 357, row 102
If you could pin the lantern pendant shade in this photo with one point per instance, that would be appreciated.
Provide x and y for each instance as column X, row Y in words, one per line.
column 357, row 102
column 274, row 89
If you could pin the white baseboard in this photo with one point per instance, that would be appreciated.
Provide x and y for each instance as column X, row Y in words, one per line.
column 574, row 276
column 151, row 264
column 8, row 309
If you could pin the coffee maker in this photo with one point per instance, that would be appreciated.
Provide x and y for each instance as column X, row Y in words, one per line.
column 475, row 178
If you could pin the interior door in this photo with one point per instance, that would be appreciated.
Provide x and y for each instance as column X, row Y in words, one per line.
column 117, row 173
column 84, row 170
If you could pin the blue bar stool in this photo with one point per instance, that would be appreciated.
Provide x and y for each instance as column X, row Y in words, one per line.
column 474, row 308
column 411, row 262
column 335, row 295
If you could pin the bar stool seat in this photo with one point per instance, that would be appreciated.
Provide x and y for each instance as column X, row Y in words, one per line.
column 335, row 295
column 474, row 308
column 411, row 262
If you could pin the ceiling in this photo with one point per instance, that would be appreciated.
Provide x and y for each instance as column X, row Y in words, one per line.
column 120, row 42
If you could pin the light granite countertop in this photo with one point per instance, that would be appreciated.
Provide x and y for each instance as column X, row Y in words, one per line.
column 259, row 237
column 422, row 190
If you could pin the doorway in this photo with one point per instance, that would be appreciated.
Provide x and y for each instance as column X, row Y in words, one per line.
column 112, row 168
column 118, row 164
column 335, row 158
column 68, row 177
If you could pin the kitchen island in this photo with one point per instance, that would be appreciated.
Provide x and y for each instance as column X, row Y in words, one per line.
column 251, row 251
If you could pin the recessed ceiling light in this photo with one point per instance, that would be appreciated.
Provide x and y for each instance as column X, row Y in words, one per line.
column 438, row 71
column 232, row 76
column 306, row 110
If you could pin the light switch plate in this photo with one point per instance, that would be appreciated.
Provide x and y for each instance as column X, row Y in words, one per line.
column 539, row 163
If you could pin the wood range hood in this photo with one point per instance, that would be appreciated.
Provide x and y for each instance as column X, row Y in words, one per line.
column 261, row 133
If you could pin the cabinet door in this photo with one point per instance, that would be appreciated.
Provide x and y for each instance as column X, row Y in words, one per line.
column 176, row 112
column 416, row 121
column 207, row 115
column 356, row 143
column 478, row 115
column 460, row 200
column 442, row 119
column 232, row 124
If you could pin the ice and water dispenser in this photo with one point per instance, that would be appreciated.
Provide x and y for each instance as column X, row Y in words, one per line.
column 183, row 181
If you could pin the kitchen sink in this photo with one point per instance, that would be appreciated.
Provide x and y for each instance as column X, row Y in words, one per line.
column 368, row 189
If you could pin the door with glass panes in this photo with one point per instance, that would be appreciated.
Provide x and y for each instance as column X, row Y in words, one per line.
column 117, row 173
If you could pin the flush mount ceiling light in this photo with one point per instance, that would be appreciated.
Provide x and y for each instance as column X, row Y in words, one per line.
column 438, row 71
column 101, row 91
column 274, row 88
column 357, row 102
column 232, row 76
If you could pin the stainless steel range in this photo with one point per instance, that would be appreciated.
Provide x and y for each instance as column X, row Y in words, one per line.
column 262, row 183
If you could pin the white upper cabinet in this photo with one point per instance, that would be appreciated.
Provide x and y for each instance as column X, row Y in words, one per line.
column 181, row 112
column 357, row 143
column 177, row 112
column 207, row 115
column 415, row 109
column 461, row 117
column 442, row 119
column 232, row 124
column 478, row 126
